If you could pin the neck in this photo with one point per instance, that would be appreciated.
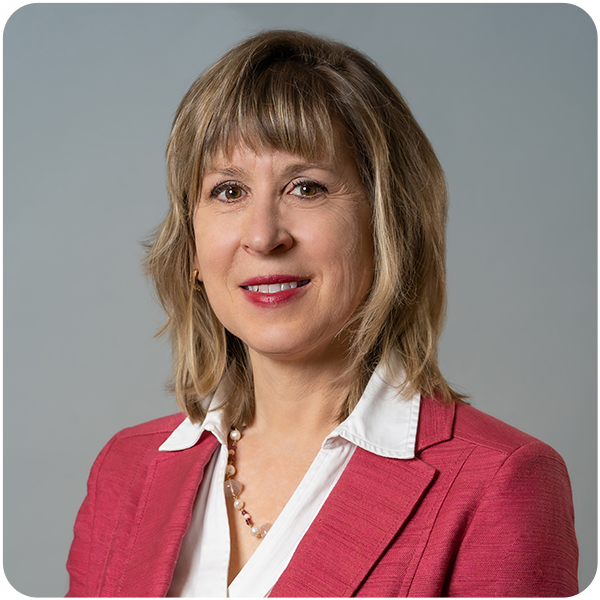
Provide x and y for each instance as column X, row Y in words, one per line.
column 298, row 399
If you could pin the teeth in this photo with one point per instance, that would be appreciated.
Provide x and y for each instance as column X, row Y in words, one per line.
column 273, row 288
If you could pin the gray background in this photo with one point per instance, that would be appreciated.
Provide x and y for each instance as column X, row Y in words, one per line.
column 507, row 95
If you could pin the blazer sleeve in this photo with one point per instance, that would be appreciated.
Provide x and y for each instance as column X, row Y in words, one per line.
column 521, row 540
column 79, row 554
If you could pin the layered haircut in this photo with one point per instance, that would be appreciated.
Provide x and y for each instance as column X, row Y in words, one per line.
column 294, row 92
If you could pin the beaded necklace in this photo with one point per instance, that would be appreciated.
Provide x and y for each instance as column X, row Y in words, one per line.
column 233, row 488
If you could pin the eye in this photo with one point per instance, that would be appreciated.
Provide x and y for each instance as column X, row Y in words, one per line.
column 232, row 193
column 308, row 189
column 227, row 192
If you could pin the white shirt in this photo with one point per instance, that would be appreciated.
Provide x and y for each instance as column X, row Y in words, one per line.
column 384, row 422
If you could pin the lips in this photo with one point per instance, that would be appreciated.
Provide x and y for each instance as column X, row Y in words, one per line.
column 270, row 290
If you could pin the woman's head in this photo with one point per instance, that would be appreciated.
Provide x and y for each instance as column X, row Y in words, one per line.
column 301, row 95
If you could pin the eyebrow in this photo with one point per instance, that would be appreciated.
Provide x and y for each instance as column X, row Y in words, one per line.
column 291, row 169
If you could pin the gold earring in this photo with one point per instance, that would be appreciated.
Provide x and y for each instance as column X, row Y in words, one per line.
column 194, row 281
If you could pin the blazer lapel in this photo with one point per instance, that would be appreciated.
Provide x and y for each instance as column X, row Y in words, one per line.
column 163, row 518
column 367, row 508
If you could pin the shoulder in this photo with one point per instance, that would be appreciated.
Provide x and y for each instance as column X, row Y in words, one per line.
column 479, row 428
column 462, row 428
column 134, row 445
column 157, row 430
column 163, row 425
column 520, row 457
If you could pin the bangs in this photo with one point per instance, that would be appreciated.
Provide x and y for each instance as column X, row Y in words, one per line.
column 285, row 107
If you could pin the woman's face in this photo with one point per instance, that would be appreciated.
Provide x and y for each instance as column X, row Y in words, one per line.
column 284, row 249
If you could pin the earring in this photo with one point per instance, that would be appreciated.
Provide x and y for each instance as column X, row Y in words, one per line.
column 194, row 281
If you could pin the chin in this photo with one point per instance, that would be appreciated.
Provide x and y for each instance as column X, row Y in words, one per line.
column 294, row 348
column 282, row 351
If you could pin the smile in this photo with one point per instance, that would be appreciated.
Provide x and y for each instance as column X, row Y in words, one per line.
column 274, row 288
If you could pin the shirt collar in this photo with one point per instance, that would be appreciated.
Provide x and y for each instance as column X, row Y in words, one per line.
column 385, row 419
column 383, row 422
column 188, row 433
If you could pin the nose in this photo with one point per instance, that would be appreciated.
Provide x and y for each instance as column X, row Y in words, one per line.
column 265, row 231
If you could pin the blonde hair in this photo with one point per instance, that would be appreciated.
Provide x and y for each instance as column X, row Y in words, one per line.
column 291, row 91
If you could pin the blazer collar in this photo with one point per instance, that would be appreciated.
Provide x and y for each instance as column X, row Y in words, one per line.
column 436, row 423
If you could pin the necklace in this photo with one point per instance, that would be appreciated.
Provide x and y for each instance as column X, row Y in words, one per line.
column 233, row 488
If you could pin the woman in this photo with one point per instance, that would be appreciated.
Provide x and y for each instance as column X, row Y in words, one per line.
column 321, row 452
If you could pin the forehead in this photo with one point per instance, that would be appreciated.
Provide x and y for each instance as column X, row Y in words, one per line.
column 241, row 152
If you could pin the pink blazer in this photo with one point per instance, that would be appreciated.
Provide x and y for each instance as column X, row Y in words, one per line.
column 482, row 510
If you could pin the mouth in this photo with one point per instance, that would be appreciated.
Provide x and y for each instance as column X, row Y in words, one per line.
column 274, row 288
column 271, row 291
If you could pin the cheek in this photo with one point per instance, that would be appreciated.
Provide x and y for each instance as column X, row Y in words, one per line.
column 346, row 246
column 214, row 250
